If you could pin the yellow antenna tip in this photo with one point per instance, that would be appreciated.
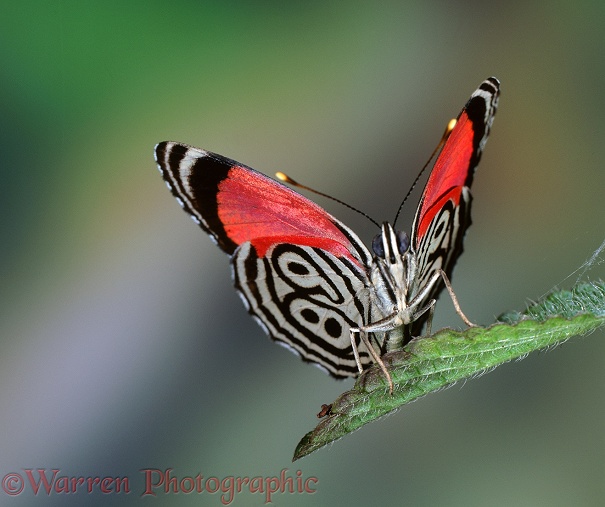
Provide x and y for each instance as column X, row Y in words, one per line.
column 451, row 125
column 285, row 178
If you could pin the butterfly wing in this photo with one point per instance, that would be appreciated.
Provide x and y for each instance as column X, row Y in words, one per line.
column 301, row 273
column 443, row 214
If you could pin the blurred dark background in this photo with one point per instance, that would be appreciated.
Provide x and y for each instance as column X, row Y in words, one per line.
column 125, row 347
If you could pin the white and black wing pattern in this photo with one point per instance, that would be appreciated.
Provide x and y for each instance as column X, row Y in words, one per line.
column 301, row 273
column 307, row 299
column 443, row 214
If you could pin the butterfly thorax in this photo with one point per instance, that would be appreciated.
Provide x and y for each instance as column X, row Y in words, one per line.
column 393, row 275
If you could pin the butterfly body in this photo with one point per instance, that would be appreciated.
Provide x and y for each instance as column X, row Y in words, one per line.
column 306, row 277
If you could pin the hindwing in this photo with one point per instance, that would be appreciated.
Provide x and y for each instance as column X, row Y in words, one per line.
column 307, row 299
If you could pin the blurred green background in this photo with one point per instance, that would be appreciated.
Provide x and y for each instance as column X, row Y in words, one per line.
column 125, row 347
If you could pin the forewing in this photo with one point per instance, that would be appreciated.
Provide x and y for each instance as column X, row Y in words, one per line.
column 443, row 215
column 236, row 204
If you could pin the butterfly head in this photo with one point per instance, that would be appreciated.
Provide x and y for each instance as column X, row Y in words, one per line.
column 390, row 245
column 393, row 269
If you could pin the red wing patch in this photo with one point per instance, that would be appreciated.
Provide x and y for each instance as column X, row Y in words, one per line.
column 457, row 161
column 258, row 209
column 449, row 174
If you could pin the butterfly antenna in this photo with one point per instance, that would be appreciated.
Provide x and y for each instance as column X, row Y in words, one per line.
column 448, row 130
column 286, row 179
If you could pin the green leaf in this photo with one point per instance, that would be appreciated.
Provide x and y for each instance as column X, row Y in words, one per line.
column 431, row 363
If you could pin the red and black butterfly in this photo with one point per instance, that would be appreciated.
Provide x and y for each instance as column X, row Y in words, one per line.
column 306, row 277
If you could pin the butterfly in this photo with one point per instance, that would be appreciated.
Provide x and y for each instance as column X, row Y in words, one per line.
column 307, row 278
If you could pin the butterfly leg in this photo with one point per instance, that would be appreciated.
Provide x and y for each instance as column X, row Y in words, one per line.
column 353, row 332
column 375, row 356
column 427, row 288
column 387, row 324
column 429, row 321
column 364, row 338
column 377, row 359
column 449, row 288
